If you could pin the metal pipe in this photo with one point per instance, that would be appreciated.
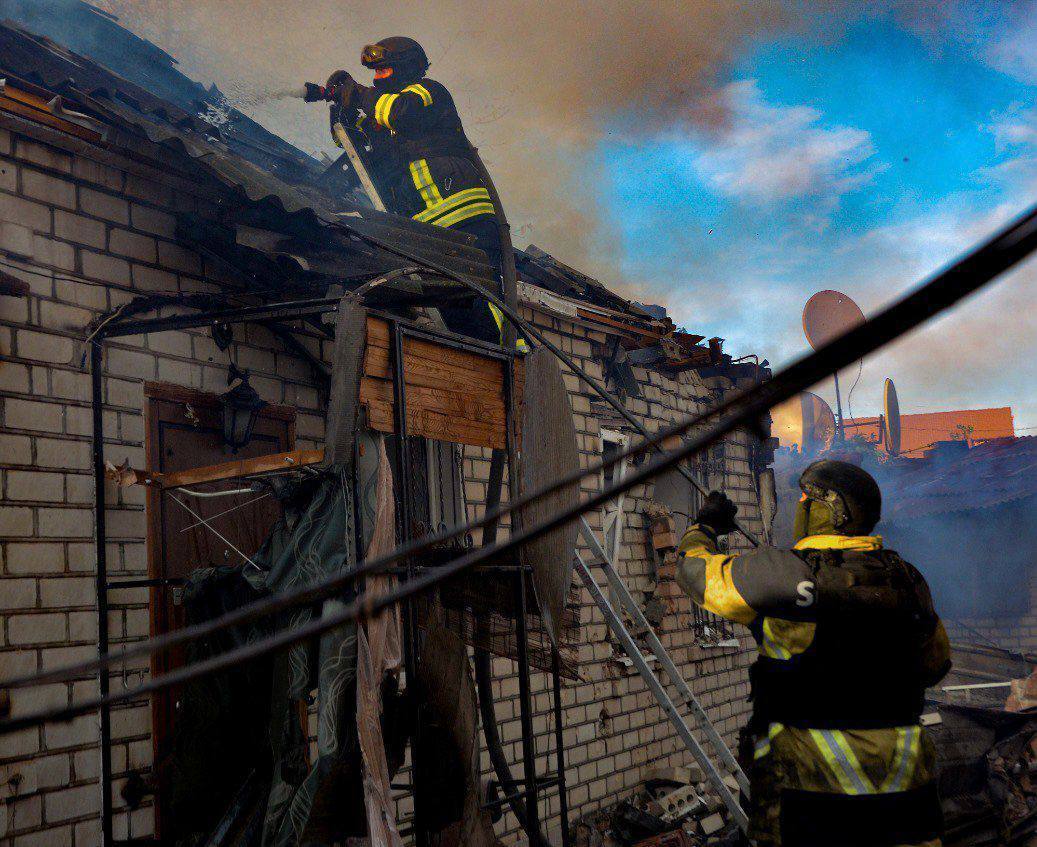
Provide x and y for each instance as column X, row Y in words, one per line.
column 563, row 796
column 101, row 587
column 410, row 622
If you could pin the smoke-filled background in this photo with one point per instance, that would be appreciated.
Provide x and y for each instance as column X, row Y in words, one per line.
column 726, row 159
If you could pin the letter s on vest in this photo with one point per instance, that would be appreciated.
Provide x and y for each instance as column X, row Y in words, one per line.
column 805, row 590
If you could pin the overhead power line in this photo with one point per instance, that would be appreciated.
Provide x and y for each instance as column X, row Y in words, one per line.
column 946, row 288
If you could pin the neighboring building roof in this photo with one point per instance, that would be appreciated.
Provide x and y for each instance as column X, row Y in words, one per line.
column 920, row 431
column 991, row 474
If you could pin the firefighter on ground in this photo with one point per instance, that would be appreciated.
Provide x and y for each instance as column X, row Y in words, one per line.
column 848, row 643
column 423, row 159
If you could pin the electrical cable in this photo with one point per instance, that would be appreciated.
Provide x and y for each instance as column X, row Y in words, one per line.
column 946, row 288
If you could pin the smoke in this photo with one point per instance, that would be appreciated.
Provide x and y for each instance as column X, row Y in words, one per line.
column 538, row 85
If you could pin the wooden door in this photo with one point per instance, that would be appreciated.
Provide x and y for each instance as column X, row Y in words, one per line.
column 184, row 430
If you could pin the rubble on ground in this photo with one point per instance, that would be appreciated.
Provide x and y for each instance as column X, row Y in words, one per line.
column 673, row 807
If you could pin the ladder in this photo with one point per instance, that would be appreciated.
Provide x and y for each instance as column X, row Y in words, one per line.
column 670, row 706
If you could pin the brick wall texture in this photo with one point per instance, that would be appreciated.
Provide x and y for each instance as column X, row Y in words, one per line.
column 87, row 237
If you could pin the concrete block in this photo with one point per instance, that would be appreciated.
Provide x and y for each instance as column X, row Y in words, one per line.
column 102, row 205
column 131, row 363
column 36, row 629
column 17, row 593
column 105, row 176
column 17, row 210
column 82, row 626
column 59, row 316
column 47, row 251
column 14, row 378
column 48, row 189
column 65, row 523
column 106, row 268
column 71, row 803
column 153, row 279
column 175, row 257
column 63, row 453
column 28, row 414
column 90, row 295
column 34, row 486
column 16, row 238
column 148, row 190
column 127, row 723
column 64, row 591
column 15, row 449
column 80, row 229
column 23, row 743
column 56, row 657
column 41, row 154
column 35, row 558
column 44, row 346
column 152, row 221
column 70, row 385
column 123, row 242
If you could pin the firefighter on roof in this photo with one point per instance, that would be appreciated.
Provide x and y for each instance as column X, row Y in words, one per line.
column 848, row 642
column 423, row 158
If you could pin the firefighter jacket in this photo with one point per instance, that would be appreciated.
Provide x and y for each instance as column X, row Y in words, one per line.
column 848, row 642
column 423, row 154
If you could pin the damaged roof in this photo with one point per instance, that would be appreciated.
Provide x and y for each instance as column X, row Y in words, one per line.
column 130, row 92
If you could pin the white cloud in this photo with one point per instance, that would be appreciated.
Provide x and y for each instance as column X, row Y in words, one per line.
column 768, row 153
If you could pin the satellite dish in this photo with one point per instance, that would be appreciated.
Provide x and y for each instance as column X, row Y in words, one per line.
column 806, row 421
column 827, row 315
column 891, row 406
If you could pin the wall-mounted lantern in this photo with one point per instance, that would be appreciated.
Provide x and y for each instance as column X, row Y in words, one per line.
column 241, row 408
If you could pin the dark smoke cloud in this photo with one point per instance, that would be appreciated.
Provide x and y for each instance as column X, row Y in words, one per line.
column 538, row 84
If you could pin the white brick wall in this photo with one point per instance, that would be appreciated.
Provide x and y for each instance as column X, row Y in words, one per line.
column 87, row 237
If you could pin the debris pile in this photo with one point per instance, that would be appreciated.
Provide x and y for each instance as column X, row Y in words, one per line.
column 985, row 734
column 672, row 808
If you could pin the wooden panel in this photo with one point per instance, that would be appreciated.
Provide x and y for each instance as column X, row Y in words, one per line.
column 452, row 395
column 35, row 108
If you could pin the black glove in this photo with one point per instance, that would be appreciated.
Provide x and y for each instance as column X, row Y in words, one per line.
column 340, row 88
column 718, row 513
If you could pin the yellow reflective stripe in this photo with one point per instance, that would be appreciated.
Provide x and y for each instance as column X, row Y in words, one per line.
column 464, row 213
column 839, row 542
column 422, row 178
column 771, row 648
column 763, row 746
column 498, row 318
column 842, row 761
column 904, row 761
column 382, row 107
column 422, row 92
column 433, row 189
column 721, row 597
column 469, row 195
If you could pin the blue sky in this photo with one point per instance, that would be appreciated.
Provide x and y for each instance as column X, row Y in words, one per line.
column 860, row 162
column 861, row 147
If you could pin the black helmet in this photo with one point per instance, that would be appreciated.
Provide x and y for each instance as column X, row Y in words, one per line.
column 396, row 61
column 849, row 491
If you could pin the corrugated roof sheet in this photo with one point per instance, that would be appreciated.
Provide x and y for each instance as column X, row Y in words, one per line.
column 126, row 107
column 1000, row 471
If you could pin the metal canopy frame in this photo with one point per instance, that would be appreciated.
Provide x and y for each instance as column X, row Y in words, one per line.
column 533, row 785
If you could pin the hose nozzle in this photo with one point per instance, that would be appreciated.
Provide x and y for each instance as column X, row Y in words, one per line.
column 315, row 93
